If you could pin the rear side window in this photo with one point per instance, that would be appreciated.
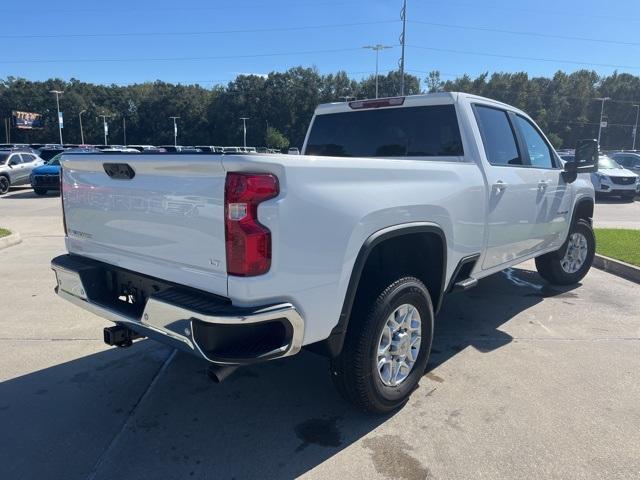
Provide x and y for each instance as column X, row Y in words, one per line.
column 26, row 158
column 497, row 136
column 429, row 131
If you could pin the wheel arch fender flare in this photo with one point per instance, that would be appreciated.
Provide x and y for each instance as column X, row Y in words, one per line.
column 332, row 346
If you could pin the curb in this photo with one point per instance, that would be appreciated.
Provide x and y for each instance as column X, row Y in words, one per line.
column 10, row 240
column 618, row 268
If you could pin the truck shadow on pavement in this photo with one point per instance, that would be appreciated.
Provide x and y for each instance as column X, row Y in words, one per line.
column 147, row 413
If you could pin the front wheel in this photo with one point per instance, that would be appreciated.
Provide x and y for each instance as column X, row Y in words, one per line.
column 4, row 185
column 387, row 348
column 571, row 263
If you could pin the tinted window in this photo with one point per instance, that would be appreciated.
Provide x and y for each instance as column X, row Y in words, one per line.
column 15, row 160
column 26, row 158
column 539, row 152
column 497, row 136
column 3, row 158
column 391, row 132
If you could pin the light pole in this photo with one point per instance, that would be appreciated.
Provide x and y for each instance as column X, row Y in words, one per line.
column 635, row 129
column 603, row 99
column 57, row 94
column 124, row 130
column 81, row 132
column 175, row 131
column 106, row 128
column 244, row 130
column 376, row 48
column 403, row 17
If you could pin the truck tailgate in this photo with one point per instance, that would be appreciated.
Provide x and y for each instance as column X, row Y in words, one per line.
column 167, row 221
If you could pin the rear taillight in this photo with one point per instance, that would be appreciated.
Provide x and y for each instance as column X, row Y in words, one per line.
column 248, row 242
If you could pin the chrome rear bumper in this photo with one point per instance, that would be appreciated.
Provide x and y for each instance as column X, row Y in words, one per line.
column 170, row 318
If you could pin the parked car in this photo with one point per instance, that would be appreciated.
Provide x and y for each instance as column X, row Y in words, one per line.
column 628, row 160
column 347, row 250
column 46, row 177
column 293, row 151
column 16, row 167
column 612, row 179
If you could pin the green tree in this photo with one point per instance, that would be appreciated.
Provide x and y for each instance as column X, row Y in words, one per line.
column 274, row 139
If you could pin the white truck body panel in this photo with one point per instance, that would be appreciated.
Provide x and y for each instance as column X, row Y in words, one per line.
column 168, row 221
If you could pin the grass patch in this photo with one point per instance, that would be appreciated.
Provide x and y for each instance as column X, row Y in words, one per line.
column 4, row 232
column 618, row 243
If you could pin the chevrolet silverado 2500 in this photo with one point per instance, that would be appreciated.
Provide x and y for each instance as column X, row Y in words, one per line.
column 347, row 249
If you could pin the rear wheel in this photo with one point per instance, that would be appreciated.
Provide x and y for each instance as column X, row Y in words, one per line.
column 4, row 185
column 387, row 348
column 571, row 263
column 40, row 191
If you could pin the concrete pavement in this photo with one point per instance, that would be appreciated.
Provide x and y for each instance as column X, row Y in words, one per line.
column 525, row 381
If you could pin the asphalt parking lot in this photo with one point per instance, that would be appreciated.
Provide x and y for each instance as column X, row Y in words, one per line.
column 526, row 381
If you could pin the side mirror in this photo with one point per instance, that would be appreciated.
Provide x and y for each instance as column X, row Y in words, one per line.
column 585, row 160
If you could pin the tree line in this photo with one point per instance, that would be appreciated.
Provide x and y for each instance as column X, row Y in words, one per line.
column 280, row 105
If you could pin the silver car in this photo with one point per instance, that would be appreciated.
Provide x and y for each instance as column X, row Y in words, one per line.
column 15, row 168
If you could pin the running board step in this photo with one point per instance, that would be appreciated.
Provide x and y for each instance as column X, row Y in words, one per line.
column 465, row 284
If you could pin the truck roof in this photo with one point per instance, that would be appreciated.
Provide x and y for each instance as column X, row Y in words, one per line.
column 409, row 101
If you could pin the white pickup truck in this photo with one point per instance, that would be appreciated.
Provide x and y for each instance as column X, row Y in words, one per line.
column 347, row 249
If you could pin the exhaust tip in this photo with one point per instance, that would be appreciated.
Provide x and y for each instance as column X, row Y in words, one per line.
column 218, row 373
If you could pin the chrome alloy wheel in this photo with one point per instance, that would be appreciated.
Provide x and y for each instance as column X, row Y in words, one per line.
column 399, row 345
column 4, row 185
column 576, row 253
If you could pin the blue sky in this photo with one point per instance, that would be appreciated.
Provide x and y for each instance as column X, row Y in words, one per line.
column 258, row 36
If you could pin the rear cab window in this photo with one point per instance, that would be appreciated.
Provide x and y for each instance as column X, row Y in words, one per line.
column 420, row 131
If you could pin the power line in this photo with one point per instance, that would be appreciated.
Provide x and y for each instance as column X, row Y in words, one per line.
column 531, row 34
column 518, row 57
column 203, row 32
column 171, row 59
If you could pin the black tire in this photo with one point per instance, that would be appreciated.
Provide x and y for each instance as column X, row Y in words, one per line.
column 355, row 371
column 4, row 184
column 549, row 265
column 40, row 191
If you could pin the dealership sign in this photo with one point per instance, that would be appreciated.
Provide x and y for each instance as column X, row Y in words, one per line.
column 26, row 120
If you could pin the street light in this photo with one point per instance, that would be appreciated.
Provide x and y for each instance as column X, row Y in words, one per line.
column 175, row 131
column 57, row 94
column 635, row 129
column 377, row 49
column 81, row 132
column 603, row 99
column 244, row 129
column 106, row 128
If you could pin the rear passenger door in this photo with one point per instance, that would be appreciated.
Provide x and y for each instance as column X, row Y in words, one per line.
column 513, row 229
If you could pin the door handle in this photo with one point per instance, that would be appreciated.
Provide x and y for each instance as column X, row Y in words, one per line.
column 543, row 184
column 499, row 186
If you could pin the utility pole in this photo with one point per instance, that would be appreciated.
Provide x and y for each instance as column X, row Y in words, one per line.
column 244, row 130
column 403, row 17
column 106, row 128
column 376, row 48
column 602, row 99
column 124, row 131
column 57, row 94
column 81, row 132
column 6, row 129
column 635, row 129
column 175, row 131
